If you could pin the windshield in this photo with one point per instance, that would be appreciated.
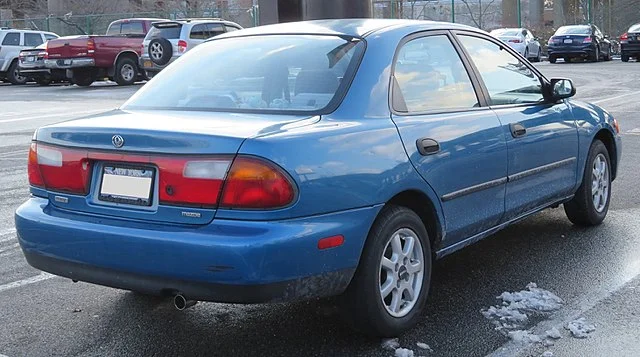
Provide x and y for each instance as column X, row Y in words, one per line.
column 635, row 28
column 505, row 32
column 574, row 30
column 274, row 73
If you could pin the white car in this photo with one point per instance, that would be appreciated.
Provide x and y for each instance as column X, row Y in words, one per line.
column 521, row 40
column 12, row 41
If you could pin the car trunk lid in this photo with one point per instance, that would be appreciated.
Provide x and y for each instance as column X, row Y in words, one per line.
column 68, row 47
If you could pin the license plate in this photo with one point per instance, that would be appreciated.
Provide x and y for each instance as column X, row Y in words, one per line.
column 67, row 62
column 148, row 64
column 31, row 58
column 568, row 41
column 126, row 185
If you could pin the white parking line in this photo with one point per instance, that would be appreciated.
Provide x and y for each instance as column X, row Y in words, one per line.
column 7, row 231
column 68, row 115
column 614, row 98
column 34, row 279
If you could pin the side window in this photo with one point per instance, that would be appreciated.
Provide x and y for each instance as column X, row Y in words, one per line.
column 114, row 29
column 430, row 76
column 11, row 39
column 199, row 32
column 132, row 28
column 50, row 37
column 32, row 39
column 508, row 80
column 231, row 28
column 214, row 30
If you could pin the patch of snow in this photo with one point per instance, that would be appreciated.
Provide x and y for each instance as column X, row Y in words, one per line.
column 547, row 354
column 390, row 344
column 547, row 342
column 516, row 307
column 580, row 328
column 404, row 352
column 524, row 336
column 553, row 333
column 424, row 346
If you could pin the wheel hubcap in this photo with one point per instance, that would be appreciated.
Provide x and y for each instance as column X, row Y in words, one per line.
column 600, row 183
column 401, row 272
column 156, row 51
column 127, row 72
column 17, row 76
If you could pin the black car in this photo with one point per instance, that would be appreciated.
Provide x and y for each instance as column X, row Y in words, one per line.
column 579, row 41
column 630, row 43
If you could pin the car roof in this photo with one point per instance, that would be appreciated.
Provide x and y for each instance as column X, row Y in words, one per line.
column 344, row 27
column 195, row 21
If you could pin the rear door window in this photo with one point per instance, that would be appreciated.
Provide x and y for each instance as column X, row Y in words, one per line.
column 32, row 39
column 11, row 39
column 199, row 32
column 231, row 28
column 214, row 30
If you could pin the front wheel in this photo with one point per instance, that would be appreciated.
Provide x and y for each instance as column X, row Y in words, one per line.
column 13, row 74
column 552, row 59
column 596, row 55
column 389, row 290
column 590, row 205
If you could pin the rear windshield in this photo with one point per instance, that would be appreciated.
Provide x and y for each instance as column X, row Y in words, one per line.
column 168, row 31
column 262, row 74
column 635, row 28
column 514, row 32
column 574, row 30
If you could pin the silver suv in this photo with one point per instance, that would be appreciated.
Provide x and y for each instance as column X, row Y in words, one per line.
column 13, row 41
column 168, row 40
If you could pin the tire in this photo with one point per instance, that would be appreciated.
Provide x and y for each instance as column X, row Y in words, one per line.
column 567, row 59
column 582, row 209
column 363, row 303
column 126, row 72
column 83, row 78
column 538, row 57
column 44, row 81
column 526, row 53
column 552, row 59
column 625, row 58
column 13, row 74
column 608, row 57
column 160, row 51
column 596, row 55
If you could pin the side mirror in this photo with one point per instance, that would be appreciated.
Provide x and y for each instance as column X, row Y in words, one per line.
column 561, row 88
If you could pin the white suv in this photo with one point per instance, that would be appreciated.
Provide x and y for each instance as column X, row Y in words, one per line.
column 13, row 41
column 168, row 40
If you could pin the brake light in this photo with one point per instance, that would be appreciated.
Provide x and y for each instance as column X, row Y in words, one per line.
column 587, row 40
column 46, row 50
column 625, row 36
column 182, row 46
column 91, row 46
column 59, row 169
column 515, row 40
column 255, row 183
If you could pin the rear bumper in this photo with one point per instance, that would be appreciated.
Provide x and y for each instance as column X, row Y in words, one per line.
column 630, row 49
column 225, row 261
column 69, row 63
column 573, row 51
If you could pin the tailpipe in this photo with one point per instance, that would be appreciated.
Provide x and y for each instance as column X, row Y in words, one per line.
column 181, row 303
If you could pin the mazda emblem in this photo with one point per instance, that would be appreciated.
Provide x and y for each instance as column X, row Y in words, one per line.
column 117, row 141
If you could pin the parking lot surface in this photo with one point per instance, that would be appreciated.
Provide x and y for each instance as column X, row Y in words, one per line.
column 42, row 315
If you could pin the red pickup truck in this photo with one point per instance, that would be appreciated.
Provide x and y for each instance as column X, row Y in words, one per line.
column 115, row 55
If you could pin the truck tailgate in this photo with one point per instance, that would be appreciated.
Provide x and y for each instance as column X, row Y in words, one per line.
column 68, row 47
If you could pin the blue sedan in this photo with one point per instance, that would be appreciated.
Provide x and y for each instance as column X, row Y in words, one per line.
column 314, row 159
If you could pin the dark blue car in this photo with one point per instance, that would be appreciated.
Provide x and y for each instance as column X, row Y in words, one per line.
column 313, row 159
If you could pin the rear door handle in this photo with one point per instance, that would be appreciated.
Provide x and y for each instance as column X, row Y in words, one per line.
column 517, row 130
column 427, row 146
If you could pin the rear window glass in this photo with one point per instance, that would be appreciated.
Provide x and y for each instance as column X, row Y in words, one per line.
column 11, row 39
column 512, row 32
column 635, row 28
column 170, row 32
column 574, row 30
column 132, row 28
column 274, row 73
column 114, row 29
column 32, row 39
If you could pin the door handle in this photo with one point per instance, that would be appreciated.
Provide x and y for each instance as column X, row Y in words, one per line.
column 427, row 146
column 517, row 130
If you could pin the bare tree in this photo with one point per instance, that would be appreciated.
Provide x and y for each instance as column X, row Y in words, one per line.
column 478, row 11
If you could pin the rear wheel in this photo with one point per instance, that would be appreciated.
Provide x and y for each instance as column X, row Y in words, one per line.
column 126, row 71
column 625, row 58
column 13, row 74
column 389, row 290
column 83, row 78
column 567, row 59
column 552, row 59
column 590, row 205
column 596, row 55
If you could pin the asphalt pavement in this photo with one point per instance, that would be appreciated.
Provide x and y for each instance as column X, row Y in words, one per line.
column 595, row 271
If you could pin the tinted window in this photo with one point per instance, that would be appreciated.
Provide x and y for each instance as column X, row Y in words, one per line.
column 114, row 29
column 214, row 30
column 49, row 36
column 199, row 32
column 430, row 76
column 32, row 39
column 231, row 28
column 168, row 31
column 132, row 28
column 262, row 74
column 508, row 80
column 574, row 30
column 11, row 39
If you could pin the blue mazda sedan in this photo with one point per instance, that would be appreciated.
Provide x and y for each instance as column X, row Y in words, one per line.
column 314, row 159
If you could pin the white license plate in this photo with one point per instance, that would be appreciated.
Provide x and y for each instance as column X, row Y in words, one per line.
column 568, row 41
column 126, row 185
column 67, row 62
column 31, row 58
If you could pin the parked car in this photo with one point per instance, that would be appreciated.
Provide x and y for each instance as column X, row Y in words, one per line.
column 114, row 55
column 31, row 66
column 579, row 41
column 521, row 40
column 168, row 40
column 630, row 43
column 311, row 159
column 12, row 41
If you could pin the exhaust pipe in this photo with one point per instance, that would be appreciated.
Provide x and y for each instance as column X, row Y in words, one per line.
column 181, row 303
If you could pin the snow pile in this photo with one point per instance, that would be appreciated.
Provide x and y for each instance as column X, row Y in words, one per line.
column 424, row 346
column 547, row 354
column 516, row 308
column 524, row 336
column 580, row 328
column 390, row 344
column 404, row 352
column 554, row 333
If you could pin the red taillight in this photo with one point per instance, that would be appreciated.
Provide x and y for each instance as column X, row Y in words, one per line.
column 587, row 40
column 91, row 47
column 551, row 41
column 182, row 46
column 330, row 242
column 625, row 36
column 515, row 40
column 59, row 169
column 254, row 183
column 46, row 50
